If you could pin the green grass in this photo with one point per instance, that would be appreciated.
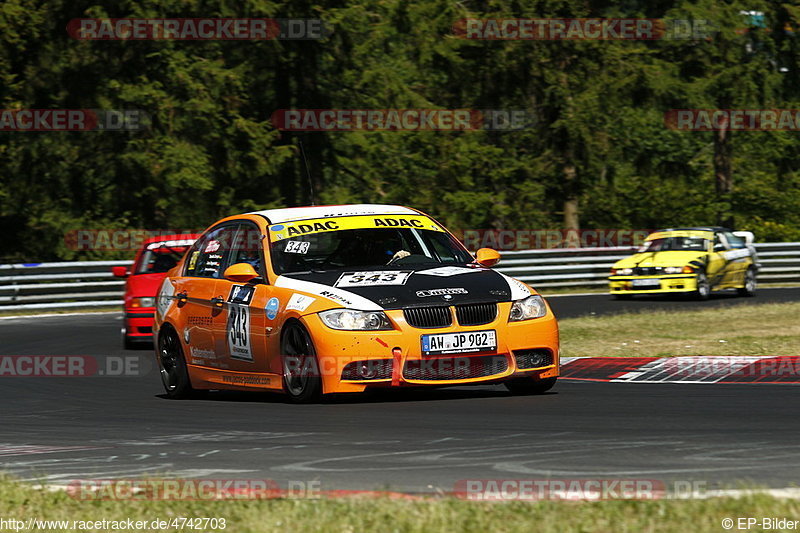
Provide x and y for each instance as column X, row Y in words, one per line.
column 431, row 515
column 764, row 329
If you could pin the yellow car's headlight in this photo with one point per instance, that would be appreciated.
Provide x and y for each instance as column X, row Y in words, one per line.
column 621, row 271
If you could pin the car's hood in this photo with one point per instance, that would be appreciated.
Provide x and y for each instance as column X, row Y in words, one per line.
column 140, row 285
column 659, row 259
column 421, row 286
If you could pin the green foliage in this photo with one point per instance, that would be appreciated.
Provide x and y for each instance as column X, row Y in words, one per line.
column 210, row 150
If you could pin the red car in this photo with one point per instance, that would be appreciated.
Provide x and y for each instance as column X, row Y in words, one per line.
column 156, row 257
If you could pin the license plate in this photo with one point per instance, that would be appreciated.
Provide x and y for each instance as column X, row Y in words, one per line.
column 647, row 283
column 468, row 341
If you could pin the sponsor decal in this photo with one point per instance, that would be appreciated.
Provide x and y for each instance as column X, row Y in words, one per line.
column 212, row 246
column 193, row 259
column 241, row 294
column 442, row 292
column 272, row 308
column 297, row 247
column 202, row 354
column 299, row 302
column 337, row 295
column 370, row 278
column 321, row 225
column 447, row 271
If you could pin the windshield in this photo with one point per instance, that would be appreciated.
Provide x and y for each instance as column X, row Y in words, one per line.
column 367, row 247
column 698, row 244
column 159, row 260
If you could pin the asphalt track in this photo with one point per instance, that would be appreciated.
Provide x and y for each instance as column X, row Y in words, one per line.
column 61, row 429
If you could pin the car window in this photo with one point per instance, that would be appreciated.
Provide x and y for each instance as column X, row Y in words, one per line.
column 159, row 260
column 246, row 247
column 364, row 248
column 698, row 244
column 734, row 241
column 210, row 252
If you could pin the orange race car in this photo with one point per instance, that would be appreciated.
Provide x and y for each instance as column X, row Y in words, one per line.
column 334, row 299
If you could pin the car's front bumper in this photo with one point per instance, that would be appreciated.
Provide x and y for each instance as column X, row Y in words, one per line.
column 667, row 283
column 351, row 361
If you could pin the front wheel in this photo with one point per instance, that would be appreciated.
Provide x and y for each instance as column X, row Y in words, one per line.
column 302, row 381
column 749, row 288
column 174, row 374
column 529, row 386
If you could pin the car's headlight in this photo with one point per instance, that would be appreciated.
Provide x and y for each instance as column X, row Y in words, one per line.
column 673, row 270
column 621, row 271
column 143, row 302
column 353, row 320
column 530, row 307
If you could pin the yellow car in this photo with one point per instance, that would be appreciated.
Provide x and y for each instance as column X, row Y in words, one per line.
column 339, row 299
column 696, row 261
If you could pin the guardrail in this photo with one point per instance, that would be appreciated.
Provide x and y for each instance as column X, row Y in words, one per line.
column 90, row 284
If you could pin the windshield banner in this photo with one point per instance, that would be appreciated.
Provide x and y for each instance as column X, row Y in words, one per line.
column 279, row 232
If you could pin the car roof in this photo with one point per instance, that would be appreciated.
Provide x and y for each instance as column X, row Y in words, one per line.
column 173, row 237
column 289, row 214
column 696, row 228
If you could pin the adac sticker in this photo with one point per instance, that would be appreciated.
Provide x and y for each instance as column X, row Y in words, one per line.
column 272, row 308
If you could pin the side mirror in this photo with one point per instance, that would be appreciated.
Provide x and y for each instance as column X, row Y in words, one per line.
column 719, row 247
column 487, row 257
column 119, row 271
column 241, row 273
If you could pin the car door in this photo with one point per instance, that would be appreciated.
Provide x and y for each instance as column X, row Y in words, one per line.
column 737, row 257
column 200, row 289
column 715, row 266
column 241, row 334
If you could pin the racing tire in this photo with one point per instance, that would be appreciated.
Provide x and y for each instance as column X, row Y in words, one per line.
column 302, row 381
column 749, row 288
column 172, row 366
column 526, row 386
column 703, row 288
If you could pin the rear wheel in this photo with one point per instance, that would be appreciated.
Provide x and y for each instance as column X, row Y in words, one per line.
column 703, row 288
column 301, row 376
column 530, row 386
column 749, row 288
column 174, row 374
